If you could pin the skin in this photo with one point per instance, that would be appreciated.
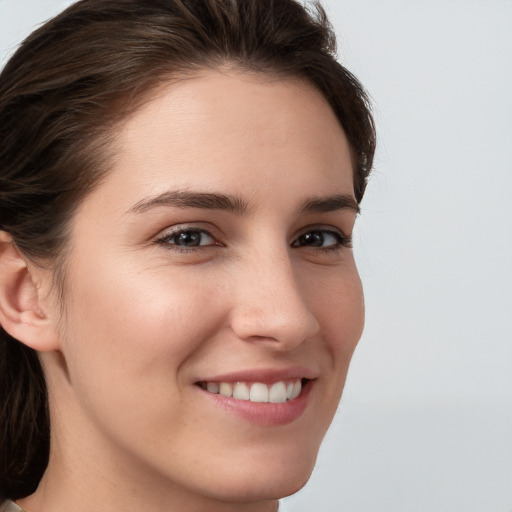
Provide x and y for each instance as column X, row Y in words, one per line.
column 145, row 321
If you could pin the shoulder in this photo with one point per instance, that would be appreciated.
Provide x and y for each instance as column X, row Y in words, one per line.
column 9, row 506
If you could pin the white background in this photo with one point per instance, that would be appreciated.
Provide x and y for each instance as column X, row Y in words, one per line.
column 425, row 424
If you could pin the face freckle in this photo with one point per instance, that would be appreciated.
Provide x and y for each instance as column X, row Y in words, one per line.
column 202, row 261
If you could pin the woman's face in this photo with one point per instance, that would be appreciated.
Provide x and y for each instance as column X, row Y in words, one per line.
column 213, row 259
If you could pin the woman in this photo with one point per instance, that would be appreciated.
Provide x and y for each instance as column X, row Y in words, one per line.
column 178, row 296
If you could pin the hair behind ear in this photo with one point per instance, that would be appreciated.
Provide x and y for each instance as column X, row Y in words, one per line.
column 24, row 419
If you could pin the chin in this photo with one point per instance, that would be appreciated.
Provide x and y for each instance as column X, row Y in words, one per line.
column 276, row 478
column 263, row 489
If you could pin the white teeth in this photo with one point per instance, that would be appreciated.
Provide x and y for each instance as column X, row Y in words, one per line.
column 297, row 388
column 289, row 391
column 241, row 391
column 278, row 392
column 226, row 389
column 259, row 393
column 212, row 387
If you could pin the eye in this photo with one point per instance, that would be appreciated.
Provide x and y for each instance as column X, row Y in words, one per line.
column 188, row 238
column 322, row 238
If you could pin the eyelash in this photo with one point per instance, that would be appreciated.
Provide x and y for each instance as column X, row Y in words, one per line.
column 342, row 241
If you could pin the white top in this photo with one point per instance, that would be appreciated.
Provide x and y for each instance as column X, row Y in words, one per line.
column 10, row 506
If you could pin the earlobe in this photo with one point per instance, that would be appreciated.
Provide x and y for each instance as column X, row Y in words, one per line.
column 22, row 312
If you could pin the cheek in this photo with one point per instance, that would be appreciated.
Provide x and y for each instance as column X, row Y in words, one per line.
column 136, row 327
column 338, row 304
column 351, row 315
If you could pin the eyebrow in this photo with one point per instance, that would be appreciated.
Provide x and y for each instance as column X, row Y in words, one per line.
column 188, row 199
column 234, row 204
column 330, row 204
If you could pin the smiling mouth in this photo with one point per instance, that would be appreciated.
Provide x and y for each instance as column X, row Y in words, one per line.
column 278, row 392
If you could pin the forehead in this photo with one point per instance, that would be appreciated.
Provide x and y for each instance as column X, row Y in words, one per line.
column 237, row 132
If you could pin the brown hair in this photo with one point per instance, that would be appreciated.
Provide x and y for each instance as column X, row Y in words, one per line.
column 70, row 82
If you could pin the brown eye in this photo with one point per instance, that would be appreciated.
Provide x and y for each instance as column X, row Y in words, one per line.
column 188, row 238
column 320, row 238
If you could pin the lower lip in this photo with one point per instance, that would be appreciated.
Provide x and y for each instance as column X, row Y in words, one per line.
column 266, row 413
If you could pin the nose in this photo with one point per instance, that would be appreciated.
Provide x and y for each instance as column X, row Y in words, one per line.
column 270, row 306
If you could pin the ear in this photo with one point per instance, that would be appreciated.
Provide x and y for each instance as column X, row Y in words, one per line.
column 24, row 313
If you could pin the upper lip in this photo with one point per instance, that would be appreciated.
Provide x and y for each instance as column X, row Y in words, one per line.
column 264, row 375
